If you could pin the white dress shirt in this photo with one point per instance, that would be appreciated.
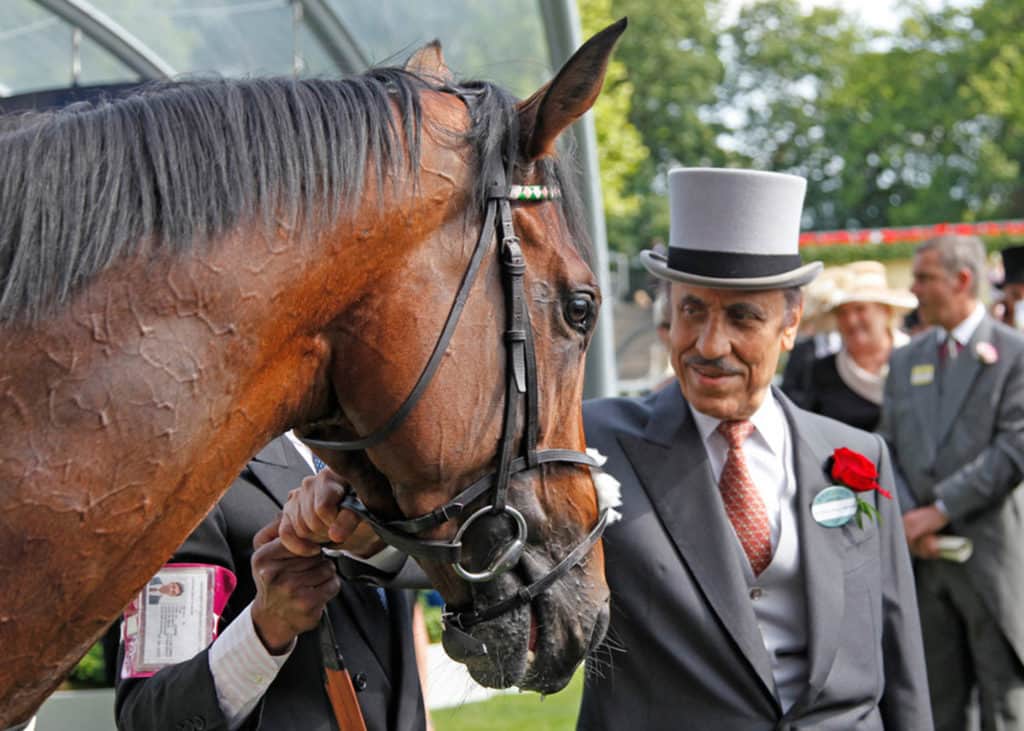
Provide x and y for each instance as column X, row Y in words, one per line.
column 963, row 332
column 242, row 669
column 778, row 595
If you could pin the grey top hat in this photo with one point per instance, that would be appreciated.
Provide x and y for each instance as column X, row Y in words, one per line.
column 734, row 229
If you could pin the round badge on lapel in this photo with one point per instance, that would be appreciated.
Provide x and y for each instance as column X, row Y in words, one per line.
column 834, row 506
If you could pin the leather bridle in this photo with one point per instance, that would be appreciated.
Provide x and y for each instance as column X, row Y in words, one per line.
column 521, row 383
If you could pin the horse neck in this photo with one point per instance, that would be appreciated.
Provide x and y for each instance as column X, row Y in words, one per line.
column 127, row 415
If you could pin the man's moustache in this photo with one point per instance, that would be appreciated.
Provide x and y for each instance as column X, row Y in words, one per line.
column 718, row 364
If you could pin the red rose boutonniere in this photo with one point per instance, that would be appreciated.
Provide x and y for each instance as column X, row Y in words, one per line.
column 858, row 473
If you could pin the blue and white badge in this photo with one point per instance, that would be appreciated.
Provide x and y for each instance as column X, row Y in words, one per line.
column 834, row 506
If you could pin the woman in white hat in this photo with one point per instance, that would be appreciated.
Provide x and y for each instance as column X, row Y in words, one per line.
column 847, row 386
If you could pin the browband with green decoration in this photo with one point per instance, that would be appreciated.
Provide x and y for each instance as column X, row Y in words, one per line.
column 533, row 192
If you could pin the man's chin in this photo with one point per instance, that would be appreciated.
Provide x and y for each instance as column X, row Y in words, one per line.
column 713, row 403
column 726, row 403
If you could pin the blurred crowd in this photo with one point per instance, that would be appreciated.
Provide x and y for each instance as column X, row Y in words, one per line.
column 853, row 320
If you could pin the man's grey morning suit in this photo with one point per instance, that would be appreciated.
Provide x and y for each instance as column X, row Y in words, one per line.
column 690, row 652
column 956, row 431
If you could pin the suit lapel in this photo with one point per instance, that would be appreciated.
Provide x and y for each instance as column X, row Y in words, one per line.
column 821, row 551
column 279, row 468
column 365, row 613
column 925, row 396
column 959, row 377
column 672, row 465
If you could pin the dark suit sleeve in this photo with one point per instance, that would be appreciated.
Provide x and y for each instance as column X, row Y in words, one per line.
column 181, row 696
column 997, row 469
column 905, row 703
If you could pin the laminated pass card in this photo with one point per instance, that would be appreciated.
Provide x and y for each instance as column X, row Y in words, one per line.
column 174, row 617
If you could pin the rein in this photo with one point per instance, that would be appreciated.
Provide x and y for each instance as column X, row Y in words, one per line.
column 521, row 383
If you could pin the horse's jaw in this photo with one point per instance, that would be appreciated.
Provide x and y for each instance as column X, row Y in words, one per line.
column 536, row 646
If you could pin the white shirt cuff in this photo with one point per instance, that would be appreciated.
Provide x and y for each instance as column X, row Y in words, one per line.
column 242, row 669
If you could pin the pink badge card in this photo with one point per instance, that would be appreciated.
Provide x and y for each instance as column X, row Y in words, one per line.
column 174, row 617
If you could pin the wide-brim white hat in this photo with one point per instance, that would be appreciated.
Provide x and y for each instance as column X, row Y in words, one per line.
column 866, row 281
column 818, row 297
column 734, row 229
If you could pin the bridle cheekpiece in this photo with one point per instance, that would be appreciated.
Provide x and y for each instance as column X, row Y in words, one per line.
column 521, row 383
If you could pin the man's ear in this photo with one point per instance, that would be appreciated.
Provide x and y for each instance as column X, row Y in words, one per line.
column 964, row 278
column 428, row 62
column 567, row 97
column 791, row 324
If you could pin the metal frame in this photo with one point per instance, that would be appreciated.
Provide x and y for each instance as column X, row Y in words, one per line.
column 102, row 29
column 564, row 36
column 562, row 28
column 334, row 36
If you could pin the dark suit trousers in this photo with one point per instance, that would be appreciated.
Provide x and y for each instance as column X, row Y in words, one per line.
column 964, row 647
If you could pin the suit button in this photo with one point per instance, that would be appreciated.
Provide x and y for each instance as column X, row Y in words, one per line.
column 198, row 723
column 359, row 681
column 756, row 593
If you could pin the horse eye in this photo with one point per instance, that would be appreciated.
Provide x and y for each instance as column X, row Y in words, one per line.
column 580, row 310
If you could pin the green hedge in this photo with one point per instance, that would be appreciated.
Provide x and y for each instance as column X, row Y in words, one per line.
column 89, row 673
column 836, row 255
column 432, row 618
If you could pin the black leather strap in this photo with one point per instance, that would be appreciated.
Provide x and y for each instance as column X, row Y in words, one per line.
column 468, row 618
column 403, row 534
column 520, row 385
column 468, row 278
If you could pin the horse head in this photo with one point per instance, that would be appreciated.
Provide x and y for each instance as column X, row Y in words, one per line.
column 190, row 271
column 475, row 464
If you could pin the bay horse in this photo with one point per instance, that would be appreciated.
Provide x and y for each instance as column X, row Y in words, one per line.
column 188, row 272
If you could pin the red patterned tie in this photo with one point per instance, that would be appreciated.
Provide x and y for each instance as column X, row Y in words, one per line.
column 743, row 503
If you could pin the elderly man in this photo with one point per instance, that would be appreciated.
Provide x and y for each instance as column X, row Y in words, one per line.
column 760, row 579
column 953, row 413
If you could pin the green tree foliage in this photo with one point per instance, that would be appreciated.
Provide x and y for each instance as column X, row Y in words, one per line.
column 916, row 125
column 993, row 53
column 621, row 147
column 784, row 65
column 665, row 71
column 919, row 143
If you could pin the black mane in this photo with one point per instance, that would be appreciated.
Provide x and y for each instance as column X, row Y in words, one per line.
column 178, row 164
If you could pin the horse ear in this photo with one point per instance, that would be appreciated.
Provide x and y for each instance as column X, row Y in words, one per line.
column 568, row 96
column 429, row 62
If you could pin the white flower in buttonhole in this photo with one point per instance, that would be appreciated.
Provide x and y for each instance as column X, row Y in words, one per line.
column 987, row 353
column 609, row 490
